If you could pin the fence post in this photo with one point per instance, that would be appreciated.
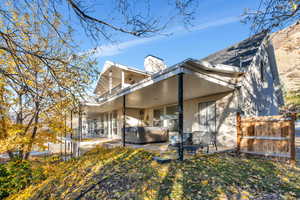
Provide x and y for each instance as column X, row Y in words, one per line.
column 238, row 130
column 292, row 138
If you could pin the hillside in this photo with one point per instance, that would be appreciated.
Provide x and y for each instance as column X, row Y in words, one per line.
column 287, row 51
column 123, row 173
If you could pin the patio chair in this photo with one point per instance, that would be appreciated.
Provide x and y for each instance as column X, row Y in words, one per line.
column 188, row 145
column 175, row 139
column 204, row 139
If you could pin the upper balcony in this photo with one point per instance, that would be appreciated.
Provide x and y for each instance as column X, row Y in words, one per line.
column 116, row 77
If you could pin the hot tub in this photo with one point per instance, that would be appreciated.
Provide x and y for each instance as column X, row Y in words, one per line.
column 147, row 134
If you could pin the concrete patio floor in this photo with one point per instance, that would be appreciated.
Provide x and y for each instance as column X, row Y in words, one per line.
column 162, row 148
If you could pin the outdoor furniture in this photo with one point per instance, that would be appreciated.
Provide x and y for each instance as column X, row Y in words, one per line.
column 175, row 139
column 205, row 139
column 194, row 141
column 144, row 135
column 187, row 143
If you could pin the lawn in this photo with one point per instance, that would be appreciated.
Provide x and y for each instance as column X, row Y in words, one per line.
column 124, row 173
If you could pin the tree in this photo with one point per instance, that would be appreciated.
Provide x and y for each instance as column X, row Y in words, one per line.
column 37, row 89
column 272, row 14
column 124, row 19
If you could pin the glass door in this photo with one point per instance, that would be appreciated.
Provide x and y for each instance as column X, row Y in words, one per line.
column 172, row 117
column 207, row 117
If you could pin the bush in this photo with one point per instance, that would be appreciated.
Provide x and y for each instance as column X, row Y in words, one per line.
column 17, row 175
column 3, row 182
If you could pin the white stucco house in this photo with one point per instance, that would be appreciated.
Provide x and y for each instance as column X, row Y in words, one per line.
column 195, row 96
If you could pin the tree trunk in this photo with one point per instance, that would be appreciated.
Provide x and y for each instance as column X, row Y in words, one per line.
column 33, row 135
column 20, row 121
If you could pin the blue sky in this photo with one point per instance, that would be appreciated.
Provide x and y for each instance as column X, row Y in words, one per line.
column 217, row 25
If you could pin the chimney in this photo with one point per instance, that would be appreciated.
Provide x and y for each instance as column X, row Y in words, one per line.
column 153, row 64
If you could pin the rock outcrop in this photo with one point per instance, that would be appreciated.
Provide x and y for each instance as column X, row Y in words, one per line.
column 287, row 50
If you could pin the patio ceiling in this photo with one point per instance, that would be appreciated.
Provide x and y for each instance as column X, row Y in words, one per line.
column 166, row 91
column 163, row 92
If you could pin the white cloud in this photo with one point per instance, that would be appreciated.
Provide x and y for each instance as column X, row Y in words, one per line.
column 224, row 21
column 114, row 49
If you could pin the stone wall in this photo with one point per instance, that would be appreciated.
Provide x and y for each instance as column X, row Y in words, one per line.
column 286, row 44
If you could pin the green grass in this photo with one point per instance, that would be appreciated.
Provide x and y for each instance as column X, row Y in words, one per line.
column 124, row 173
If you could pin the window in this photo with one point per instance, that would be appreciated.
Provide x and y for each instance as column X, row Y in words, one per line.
column 101, row 125
column 207, row 117
column 262, row 70
column 115, row 123
column 157, row 117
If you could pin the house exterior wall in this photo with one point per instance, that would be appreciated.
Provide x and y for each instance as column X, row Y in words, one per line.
column 226, row 108
column 260, row 88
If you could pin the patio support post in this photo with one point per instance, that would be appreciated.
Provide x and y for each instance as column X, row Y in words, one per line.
column 124, row 120
column 180, row 115
column 71, row 136
column 110, row 81
column 79, row 130
column 65, row 131
column 80, row 123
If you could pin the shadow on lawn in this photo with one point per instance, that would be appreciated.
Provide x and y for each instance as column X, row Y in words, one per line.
column 134, row 175
column 123, row 178
column 219, row 177
column 207, row 177
column 166, row 185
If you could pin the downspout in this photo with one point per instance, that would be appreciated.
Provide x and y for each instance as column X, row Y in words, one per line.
column 180, row 115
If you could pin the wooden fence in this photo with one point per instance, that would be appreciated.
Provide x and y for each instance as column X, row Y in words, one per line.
column 267, row 135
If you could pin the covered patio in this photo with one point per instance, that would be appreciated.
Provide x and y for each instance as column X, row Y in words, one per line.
column 186, row 81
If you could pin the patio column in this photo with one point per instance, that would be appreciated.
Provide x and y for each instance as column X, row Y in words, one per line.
column 71, row 136
column 110, row 81
column 180, row 115
column 79, row 123
column 79, row 133
column 124, row 120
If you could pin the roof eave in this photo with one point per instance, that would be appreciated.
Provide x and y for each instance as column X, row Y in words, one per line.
column 228, row 69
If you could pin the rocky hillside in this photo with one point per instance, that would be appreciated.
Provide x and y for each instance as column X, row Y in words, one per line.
column 287, row 50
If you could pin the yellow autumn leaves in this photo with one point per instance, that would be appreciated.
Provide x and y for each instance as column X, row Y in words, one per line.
column 40, row 83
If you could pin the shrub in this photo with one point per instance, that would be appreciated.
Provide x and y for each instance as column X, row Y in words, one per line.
column 3, row 182
column 17, row 175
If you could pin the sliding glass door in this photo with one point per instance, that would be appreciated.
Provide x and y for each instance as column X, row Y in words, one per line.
column 207, row 117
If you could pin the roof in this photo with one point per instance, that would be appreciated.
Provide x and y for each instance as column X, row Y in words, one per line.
column 240, row 54
column 188, row 66
column 109, row 64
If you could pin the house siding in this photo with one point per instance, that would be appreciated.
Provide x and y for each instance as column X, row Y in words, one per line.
column 260, row 90
column 226, row 108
